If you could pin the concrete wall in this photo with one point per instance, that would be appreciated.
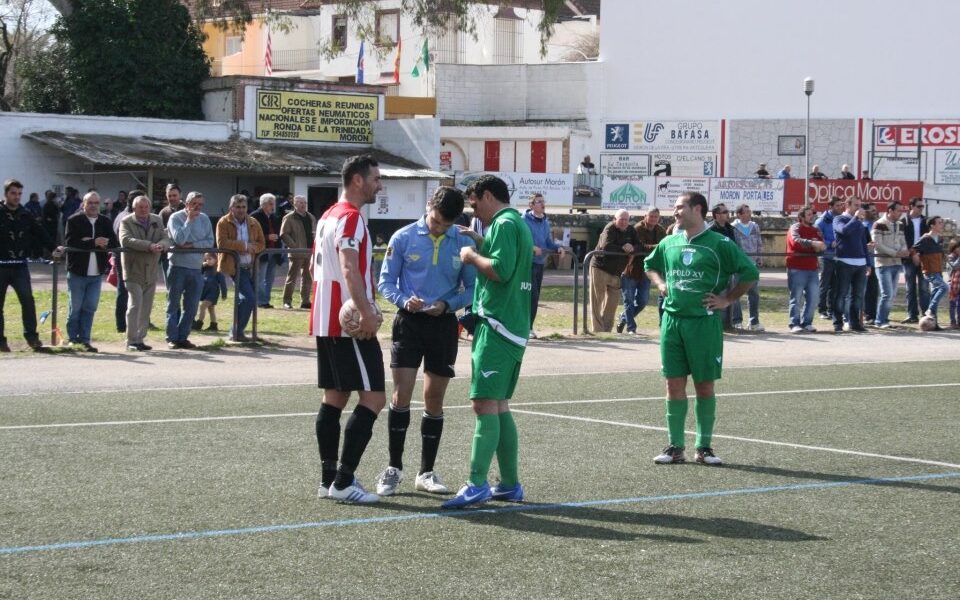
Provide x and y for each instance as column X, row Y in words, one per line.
column 414, row 139
column 516, row 92
column 752, row 141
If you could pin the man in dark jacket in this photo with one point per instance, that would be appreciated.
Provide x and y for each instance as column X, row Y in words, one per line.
column 50, row 217
column 19, row 234
column 854, row 252
column 270, row 223
column 605, row 270
column 918, row 290
column 86, row 230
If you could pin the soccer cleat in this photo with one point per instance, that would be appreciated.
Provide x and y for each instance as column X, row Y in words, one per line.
column 388, row 481
column 810, row 329
column 671, row 455
column 431, row 482
column 353, row 493
column 796, row 329
column 323, row 491
column 705, row 456
column 468, row 495
column 508, row 494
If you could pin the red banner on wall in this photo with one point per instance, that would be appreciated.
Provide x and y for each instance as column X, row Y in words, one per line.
column 880, row 193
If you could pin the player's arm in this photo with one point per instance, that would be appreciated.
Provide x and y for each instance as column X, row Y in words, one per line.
column 350, row 267
column 657, row 280
column 721, row 301
column 482, row 264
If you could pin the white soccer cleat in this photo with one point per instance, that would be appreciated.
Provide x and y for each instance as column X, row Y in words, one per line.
column 389, row 481
column 431, row 482
column 705, row 456
column 323, row 491
column 353, row 493
column 670, row 455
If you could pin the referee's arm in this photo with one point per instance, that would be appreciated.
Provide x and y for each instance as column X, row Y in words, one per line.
column 389, row 285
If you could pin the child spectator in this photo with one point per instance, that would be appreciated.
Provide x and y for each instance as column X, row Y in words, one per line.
column 953, row 258
column 214, row 287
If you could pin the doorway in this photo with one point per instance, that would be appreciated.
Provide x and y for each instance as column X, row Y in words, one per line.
column 320, row 198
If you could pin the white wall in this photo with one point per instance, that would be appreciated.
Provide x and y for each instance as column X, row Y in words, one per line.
column 748, row 58
column 37, row 165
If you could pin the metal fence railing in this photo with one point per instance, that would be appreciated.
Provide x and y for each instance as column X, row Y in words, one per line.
column 55, row 274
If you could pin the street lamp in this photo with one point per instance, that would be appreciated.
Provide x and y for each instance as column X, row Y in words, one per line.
column 808, row 90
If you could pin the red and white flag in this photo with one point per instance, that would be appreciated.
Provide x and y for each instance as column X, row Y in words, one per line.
column 268, row 57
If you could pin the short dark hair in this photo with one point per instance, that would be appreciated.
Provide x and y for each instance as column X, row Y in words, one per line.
column 357, row 165
column 932, row 220
column 835, row 199
column 803, row 210
column 696, row 199
column 11, row 183
column 173, row 186
column 34, row 196
column 743, row 207
column 915, row 201
column 893, row 205
column 448, row 202
column 720, row 207
column 490, row 183
column 953, row 246
column 134, row 194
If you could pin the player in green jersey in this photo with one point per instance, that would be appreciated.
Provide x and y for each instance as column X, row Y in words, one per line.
column 501, row 302
column 691, row 269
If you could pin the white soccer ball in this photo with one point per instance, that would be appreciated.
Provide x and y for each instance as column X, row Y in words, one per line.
column 927, row 324
column 350, row 317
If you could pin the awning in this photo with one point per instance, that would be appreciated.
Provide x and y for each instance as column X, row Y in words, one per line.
column 120, row 152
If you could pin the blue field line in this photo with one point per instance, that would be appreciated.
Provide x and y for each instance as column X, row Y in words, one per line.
column 192, row 535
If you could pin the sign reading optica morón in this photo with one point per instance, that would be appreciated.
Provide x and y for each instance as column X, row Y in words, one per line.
column 316, row 117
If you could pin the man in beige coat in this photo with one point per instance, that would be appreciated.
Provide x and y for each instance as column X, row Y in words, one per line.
column 297, row 231
column 144, row 238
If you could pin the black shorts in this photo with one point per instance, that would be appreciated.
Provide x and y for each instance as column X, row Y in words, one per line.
column 420, row 337
column 346, row 364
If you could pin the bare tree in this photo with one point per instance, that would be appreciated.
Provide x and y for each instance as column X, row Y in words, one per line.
column 23, row 29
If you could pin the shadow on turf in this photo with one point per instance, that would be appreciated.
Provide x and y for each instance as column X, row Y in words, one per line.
column 534, row 518
column 780, row 472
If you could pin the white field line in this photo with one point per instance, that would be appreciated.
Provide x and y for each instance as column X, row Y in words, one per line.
column 420, row 378
column 743, row 439
column 463, row 406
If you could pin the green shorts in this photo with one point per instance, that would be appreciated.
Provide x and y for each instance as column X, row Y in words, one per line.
column 494, row 364
column 691, row 346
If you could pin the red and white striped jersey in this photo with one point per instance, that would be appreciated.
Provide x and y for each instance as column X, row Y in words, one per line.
column 341, row 227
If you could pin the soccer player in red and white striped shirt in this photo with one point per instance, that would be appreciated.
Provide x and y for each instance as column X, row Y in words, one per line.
column 342, row 269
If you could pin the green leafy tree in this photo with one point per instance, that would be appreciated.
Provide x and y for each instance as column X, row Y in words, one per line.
column 45, row 77
column 139, row 58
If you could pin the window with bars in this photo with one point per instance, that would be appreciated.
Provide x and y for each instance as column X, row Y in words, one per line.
column 339, row 32
column 232, row 45
column 450, row 47
column 508, row 42
column 388, row 27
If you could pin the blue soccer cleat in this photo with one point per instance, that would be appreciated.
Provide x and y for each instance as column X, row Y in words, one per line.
column 469, row 494
column 512, row 493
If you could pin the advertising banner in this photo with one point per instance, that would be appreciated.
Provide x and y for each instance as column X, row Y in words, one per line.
column 760, row 194
column 316, row 117
column 675, row 137
column 625, row 165
column 684, row 165
column 908, row 134
column 556, row 188
column 631, row 194
column 877, row 191
column 888, row 167
column 946, row 169
column 668, row 188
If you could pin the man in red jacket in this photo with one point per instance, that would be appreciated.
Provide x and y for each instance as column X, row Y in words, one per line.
column 804, row 241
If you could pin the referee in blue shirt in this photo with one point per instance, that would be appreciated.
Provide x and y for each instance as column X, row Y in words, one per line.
column 423, row 276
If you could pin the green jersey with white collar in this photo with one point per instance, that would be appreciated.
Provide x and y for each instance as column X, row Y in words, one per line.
column 697, row 267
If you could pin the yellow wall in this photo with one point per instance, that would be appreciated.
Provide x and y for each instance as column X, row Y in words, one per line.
column 249, row 61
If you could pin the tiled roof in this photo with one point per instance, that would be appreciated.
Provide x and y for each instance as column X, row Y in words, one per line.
column 233, row 155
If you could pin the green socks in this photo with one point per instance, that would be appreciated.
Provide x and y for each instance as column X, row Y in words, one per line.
column 486, row 438
column 676, row 418
column 706, row 409
column 509, row 450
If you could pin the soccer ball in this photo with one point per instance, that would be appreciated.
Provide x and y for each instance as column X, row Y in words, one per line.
column 927, row 324
column 350, row 317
